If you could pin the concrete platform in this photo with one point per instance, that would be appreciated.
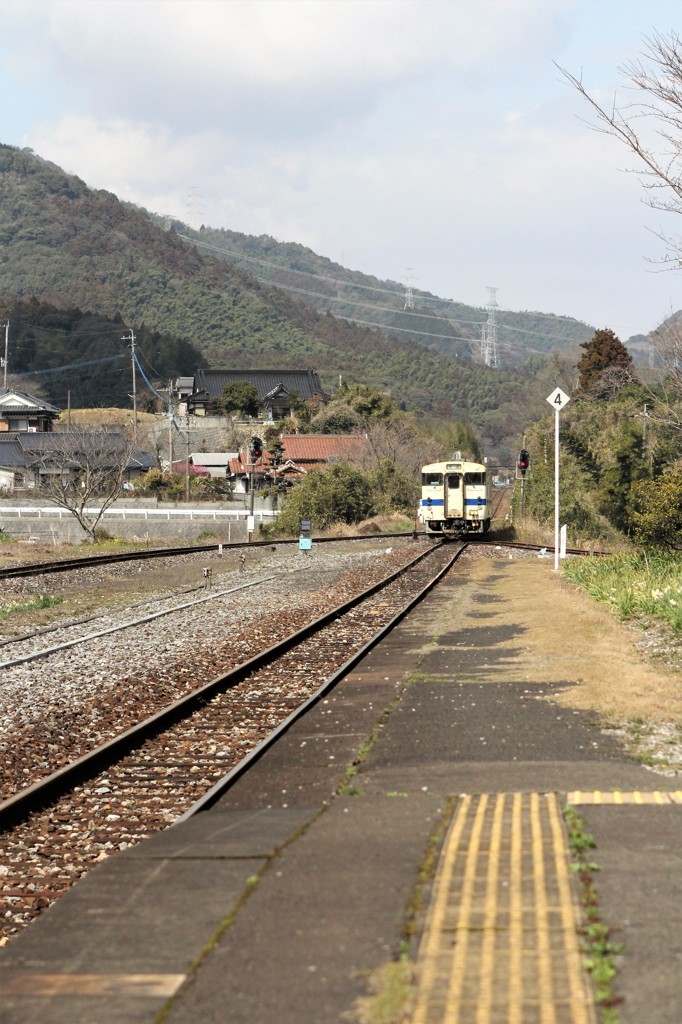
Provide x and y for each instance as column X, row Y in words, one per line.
column 281, row 903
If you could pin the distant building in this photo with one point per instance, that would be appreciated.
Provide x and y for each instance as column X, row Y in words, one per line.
column 22, row 412
column 302, row 452
column 214, row 464
column 25, row 458
column 313, row 451
column 276, row 389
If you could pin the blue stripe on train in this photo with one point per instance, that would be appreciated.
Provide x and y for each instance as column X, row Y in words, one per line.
column 438, row 502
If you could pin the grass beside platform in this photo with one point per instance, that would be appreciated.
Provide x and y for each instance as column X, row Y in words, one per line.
column 644, row 584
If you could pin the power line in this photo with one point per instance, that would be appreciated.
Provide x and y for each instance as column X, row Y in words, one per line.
column 342, row 283
column 371, row 305
column 69, row 366
column 67, row 330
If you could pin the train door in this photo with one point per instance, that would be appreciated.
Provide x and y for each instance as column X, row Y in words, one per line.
column 475, row 503
column 454, row 496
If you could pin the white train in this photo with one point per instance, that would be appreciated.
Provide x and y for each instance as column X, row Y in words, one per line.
column 456, row 497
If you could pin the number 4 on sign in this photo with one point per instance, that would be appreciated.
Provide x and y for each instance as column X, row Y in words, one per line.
column 558, row 399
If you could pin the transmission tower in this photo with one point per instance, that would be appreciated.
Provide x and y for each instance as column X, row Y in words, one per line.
column 195, row 206
column 489, row 332
column 409, row 301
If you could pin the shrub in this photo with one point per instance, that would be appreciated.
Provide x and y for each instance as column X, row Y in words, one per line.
column 657, row 511
column 337, row 494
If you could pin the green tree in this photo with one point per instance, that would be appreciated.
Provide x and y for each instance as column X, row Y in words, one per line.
column 338, row 419
column 393, row 490
column 367, row 402
column 604, row 365
column 276, row 452
column 462, row 438
column 241, row 397
column 625, row 468
column 337, row 494
column 657, row 511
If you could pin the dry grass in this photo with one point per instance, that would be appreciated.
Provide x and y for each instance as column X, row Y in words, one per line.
column 568, row 637
column 122, row 418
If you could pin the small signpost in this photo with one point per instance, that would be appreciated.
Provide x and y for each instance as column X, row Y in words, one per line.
column 305, row 540
column 557, row 400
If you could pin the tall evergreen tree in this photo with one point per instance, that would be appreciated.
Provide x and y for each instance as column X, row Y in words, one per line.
column 604, row 354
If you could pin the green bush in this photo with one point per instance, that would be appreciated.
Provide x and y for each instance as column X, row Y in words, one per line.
column 657, row 511
column 336, row 494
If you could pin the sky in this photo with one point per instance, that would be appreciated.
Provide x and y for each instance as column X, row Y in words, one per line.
column 430, row 142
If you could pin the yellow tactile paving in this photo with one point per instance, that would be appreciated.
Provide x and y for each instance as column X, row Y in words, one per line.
column 583, row 797
column 501, row 942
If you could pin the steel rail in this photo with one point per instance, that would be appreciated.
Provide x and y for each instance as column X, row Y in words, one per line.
column 221, row 787
column 47, row 790
column 88, row 561
column 490, row 541
column 46, row 651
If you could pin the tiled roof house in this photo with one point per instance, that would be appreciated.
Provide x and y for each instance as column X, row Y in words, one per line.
column 302, row 452
column 276, row 389
column 24, row 457
column 20, row 411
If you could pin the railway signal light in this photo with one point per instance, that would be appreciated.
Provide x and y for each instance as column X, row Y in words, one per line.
column 523, row 461
column 256, row 447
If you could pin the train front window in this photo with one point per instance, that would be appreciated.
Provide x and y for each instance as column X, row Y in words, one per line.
column 474, row 479
column 453, row 481
column 432, row 479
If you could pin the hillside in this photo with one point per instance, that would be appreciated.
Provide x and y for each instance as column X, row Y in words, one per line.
column 85, row 252
column 83, row 359
column 433, row 322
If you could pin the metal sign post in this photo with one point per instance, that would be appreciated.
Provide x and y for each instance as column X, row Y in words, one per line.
column 557, row 400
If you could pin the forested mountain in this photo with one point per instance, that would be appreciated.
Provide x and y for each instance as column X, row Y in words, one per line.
column 84, row 359
column 433, row 322
column 84, row 252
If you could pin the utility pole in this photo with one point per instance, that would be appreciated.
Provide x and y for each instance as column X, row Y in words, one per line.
column 170, row 425
column 4, row 363
column 187, row 464
column 131, row 339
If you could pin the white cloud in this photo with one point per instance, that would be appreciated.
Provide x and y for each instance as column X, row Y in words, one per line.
column 251, row 65
column 385, row 133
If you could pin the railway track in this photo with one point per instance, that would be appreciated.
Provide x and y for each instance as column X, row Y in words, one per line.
column 87, row 561
column 171, row 606
column 171, row 764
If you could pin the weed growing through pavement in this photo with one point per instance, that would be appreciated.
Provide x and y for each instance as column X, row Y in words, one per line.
column 344, row 787
column 391, row 994
column 392, row 987
column 599, row 950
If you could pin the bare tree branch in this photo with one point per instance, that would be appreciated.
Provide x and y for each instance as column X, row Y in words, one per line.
column 658, row 77
column 83, row 470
